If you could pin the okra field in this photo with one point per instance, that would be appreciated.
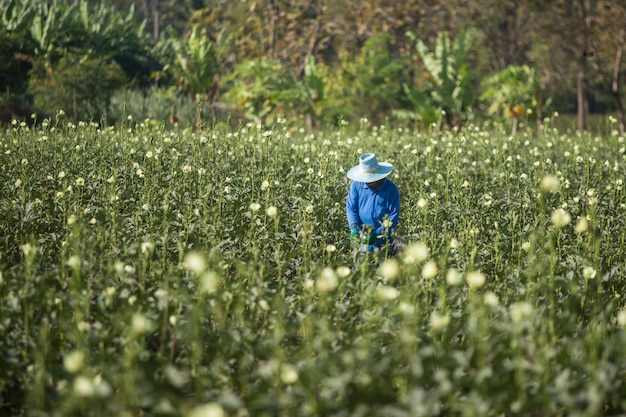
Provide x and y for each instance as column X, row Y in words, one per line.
column 154, row 271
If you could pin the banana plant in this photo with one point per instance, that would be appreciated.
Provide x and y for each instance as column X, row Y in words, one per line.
column 447, row 73
column 513, row 92
column 314, row 90
column 197, row 65
column 16, row 15
column 51, row 29
column 265, row 87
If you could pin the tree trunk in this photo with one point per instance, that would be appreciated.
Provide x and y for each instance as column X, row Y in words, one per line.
column 514, row 126
column 199, row 118
column 581, row 81
column 615, row 83
column 612, row 83
column 309, row 122
column 155, row 19
column 74, row 105
column 272, row 30
column 581, row 94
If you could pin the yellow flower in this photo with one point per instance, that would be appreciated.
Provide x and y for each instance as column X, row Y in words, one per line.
column 491, row 299
column 343, row 271
column 416, row 252
column 147, row 247
column 520, row 311
column 73, row 262
column 73, row 361
column 209, row 282
column 194, row 261
column 387, row 293
column 454, row 277
column 83, row 386
column 139, row 323
column 589, row 272
column 430, row 270
column 582, row 225
column 207, row 410
column 621, row 318
column 288, row 373
column 390, row 270
column 271, row 211
column 560, row 218
column 550, row 184
column 475, row 279
column 327, row 281
column 439, row 321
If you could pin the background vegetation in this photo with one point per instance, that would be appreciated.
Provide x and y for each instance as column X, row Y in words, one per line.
column 417, row 61
column 153, row 271
column 172, row 226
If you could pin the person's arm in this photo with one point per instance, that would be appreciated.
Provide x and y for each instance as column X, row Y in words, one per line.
column 352, row 209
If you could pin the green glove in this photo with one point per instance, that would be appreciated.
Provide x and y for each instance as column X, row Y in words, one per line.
column 354, row 237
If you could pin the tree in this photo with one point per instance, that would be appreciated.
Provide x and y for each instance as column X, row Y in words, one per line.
column 16, row 48
column 116, row 35
column 578, row 33
column 108, row 42
column 265, row 88
column 315, row 90
column 197, row 66
column 506, row 28
column 378, row 75
column 514, row 92
column 447, row 73
column 80, row 85
column 606, row 51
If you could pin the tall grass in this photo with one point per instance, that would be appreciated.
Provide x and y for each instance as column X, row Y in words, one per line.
column 154, row 272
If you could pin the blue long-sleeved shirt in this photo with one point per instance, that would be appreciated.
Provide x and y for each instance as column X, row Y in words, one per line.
column 366, row 207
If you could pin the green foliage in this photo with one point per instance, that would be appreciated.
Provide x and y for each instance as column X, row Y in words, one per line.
column 266, row 87
column 161, row 106
column 378, row 75
column 54, row 29
column 198, row 63
column 117, row 35
column 450, row 88
column 513, row 92
column 339, row 95
column 82, row 86
column 313, row 80
column 16, row 15
column 364, row 53
column 58, row 28
column 14, row 63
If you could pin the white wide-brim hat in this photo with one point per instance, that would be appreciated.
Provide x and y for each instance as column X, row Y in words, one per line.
column 369, row 169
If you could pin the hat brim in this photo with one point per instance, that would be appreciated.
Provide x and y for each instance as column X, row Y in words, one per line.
column 384, row 169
